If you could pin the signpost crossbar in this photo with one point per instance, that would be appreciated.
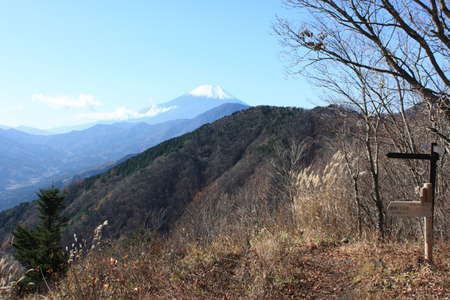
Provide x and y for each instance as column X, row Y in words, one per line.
column 410, row 156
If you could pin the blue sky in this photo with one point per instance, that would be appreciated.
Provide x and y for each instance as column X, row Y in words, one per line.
column 61, row 61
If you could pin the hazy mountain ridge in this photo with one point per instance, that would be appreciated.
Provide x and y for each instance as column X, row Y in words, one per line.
column 32, row 130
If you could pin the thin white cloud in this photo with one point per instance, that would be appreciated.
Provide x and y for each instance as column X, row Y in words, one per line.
column 15, row 108
column 124, row 113
column 83, row 101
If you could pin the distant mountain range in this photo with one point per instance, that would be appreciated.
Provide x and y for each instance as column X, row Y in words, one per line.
column 176, row 176
column 27, row 129
column 30, row 161
column 187, row 106
column 32, row 130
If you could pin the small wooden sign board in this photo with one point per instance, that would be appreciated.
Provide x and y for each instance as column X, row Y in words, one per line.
column 422, row 208
column 410, row 209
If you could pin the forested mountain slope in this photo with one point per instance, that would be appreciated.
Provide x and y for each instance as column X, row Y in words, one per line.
column 225, row 154
column 30, row 162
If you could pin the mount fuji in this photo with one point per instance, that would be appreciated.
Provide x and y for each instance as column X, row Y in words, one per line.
column 193, row 103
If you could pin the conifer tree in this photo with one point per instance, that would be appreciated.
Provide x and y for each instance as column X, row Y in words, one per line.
column 39, row 249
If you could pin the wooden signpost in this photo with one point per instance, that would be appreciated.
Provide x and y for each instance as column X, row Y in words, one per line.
column 424, row 207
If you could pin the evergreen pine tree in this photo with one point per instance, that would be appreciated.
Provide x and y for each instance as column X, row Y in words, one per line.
column 39, row 249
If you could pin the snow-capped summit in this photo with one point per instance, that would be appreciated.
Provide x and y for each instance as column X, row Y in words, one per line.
column 191, row 104
column 211, row 91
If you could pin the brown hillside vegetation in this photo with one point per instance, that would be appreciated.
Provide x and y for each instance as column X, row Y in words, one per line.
column 218, row 158
column 258, row 205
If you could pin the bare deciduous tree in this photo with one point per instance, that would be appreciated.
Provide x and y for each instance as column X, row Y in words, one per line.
column 408, row 40
column 377, row 56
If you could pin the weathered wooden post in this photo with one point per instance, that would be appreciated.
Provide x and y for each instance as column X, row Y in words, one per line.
column 434, row 157
column 426, row 194
column 424, row 207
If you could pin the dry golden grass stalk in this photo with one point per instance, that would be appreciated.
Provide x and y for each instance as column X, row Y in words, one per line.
column 10, row 273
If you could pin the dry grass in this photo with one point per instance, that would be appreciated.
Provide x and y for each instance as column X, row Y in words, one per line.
column 323, row 203
column 275, row 265
column 10, row 273
column 397, row 271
